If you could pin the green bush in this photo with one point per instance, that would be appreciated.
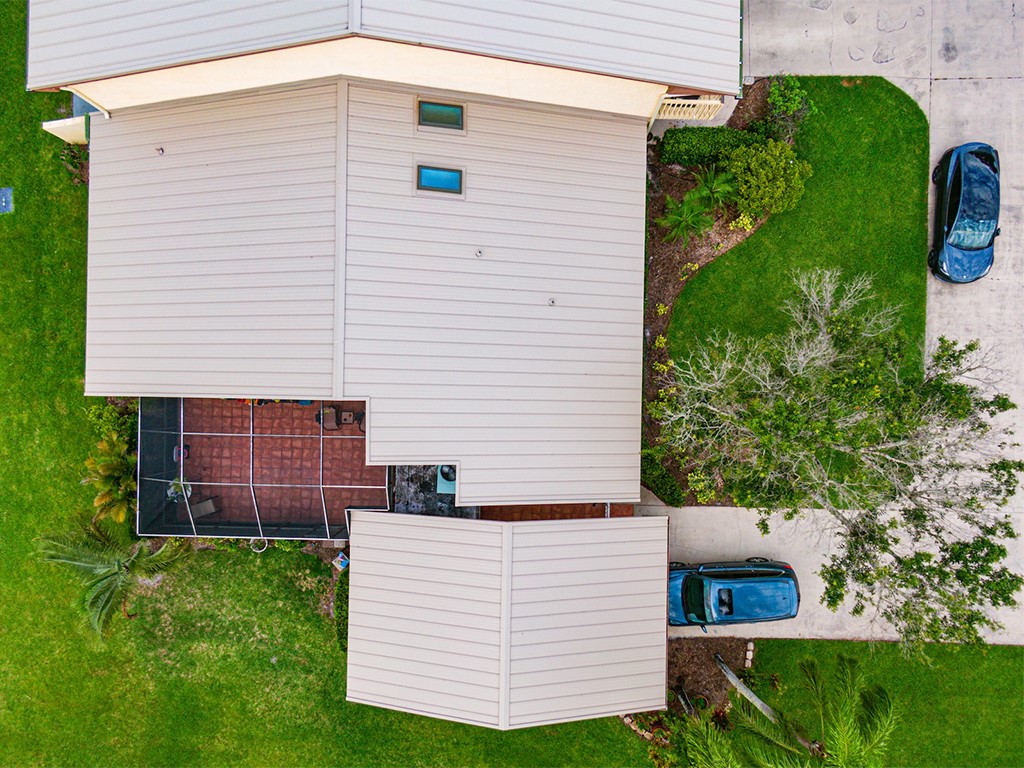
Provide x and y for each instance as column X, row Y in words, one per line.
column 769, row 178
column 341, row 608
column 122, row 420
column 788, row 105
column 658, row 480
column 702, row 146
column 290, row 545
column 685, row 218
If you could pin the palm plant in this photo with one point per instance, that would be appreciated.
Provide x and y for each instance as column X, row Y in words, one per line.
column 685, row 218
column 111, row 565
column 718, row 188
column 853, row 727
column 854, row 723
column 112, row 471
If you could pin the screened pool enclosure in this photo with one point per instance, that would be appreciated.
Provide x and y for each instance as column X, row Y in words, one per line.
column 254, row 469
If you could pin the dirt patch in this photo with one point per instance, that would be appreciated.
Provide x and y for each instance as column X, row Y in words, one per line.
column 670, row 267
column 692, row 668
column 753, row 106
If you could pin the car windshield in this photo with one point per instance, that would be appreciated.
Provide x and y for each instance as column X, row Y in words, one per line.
column 971, row 235
column 693, row 599
column 979, row 205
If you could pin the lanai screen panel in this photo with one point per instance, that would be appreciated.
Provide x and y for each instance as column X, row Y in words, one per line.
column 500, row 329
column 212, row 248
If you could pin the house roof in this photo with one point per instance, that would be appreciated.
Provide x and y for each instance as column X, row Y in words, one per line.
column 507, row 625
column 696, row 45
column 273, row 245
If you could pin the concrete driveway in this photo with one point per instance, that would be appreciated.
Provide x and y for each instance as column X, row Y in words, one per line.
column 962, row 62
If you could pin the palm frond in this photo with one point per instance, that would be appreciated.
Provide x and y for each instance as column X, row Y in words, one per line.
column 877, row 719
column 813, row 681
column 87, row 556
column 754, row 724
column 102, row 595
column 174, row 554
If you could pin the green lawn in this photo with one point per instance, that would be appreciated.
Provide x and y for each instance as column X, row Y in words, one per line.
column 964, row 709
column 230, row 662
column 864, row 210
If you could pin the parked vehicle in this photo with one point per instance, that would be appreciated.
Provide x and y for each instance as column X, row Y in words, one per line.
column 966, row 213
column 755, row 590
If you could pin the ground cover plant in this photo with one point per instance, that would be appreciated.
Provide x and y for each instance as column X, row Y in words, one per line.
column 941, row 705
column 232, row 659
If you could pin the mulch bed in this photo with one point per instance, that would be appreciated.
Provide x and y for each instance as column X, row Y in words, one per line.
column 670, row 267
column 692, row 668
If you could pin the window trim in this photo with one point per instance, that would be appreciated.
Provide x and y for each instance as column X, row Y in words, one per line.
column 438, row 166
column 443, row 129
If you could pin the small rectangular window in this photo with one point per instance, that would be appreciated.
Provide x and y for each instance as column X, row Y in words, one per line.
column 439, row 179
column 434, row 115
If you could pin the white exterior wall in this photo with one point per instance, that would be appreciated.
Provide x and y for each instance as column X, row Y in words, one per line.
column 424, row 623
column 71, row 41
column 587, row 619
column 508, row 625
column 212, row 265
column 523, row 365
column 694, row 43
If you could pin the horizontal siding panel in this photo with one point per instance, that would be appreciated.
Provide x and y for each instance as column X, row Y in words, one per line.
column 617, row 669
column 583, row 664
column 363, row 683
column 610, row 37
column 451, row 670
column 432, row 615
column 358, row 646
column 75, row 40
column 585, row 712
column 196, row 283
column 606, row 617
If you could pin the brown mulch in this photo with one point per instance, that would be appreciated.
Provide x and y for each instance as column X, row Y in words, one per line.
column 670, row 267
column 692, row 668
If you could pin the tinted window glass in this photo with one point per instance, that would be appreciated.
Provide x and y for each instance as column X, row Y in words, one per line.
column 693, row 598
column 439, row 179
column 437, row 115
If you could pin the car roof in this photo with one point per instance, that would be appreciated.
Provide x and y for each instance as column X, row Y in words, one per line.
column 753, row 599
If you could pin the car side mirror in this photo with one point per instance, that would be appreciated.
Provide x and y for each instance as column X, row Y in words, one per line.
column 703, row 629
column 998, row 231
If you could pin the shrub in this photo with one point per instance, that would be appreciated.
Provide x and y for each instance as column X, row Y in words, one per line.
column 121, row 420
column 685, row 218
column 717, row 188
column 788, row 105
column 112, row 470
column 769, row 178
column 290, row 545
column 341, row 609
column 702, row 146
column 658, row 480
column 765, row 128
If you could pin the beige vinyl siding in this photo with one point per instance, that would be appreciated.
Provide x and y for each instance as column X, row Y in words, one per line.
column 508, row 625
column 76, row 40
column 694, row 43
column 587, row 619
column 212, row 266
column 522, row 365
column 425, row 616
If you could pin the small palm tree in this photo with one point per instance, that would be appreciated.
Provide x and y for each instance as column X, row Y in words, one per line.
column 685, row 218
column 112, row 565
column 112, row 471
column 718, row 188
column 854, row 723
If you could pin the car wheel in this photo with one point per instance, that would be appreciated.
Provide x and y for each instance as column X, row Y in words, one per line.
column 757, row 559
column 937, row 174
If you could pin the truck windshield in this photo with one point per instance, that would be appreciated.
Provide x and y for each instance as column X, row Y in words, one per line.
column 693, row 599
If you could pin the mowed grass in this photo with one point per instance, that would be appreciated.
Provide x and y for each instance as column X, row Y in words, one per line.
column 229, row 661
column 864, row 211
column 965, row 708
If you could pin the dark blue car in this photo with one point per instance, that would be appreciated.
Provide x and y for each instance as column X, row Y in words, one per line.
column 966, row 213
column 757, row 589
